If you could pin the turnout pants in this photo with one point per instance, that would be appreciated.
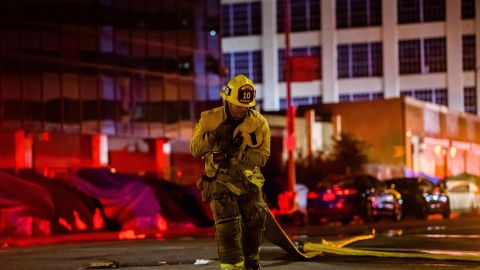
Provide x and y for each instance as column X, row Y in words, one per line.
column 239, row 224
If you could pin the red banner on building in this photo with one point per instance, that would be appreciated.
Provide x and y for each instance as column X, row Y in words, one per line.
column 305, row 68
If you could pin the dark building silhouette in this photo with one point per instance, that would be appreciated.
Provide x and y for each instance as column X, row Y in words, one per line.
column 117, row 67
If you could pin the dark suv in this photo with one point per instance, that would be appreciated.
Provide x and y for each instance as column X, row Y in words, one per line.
column 421, row 197
column 362, row 195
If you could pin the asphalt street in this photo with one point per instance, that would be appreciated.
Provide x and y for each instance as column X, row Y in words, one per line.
column 455, row 236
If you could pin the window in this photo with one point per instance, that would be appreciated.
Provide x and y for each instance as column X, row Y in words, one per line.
column 361, row 96
column 360, row 60
column 297, row 101
column 422, row 56
column 416, row 11
column 406, row 93
column 433, row 10
column 468, row 9
column 469, row 59
column 241, row 19
column 435, row 55
column 409, row 54
column 441, row 96
column 437, row 96
column 344, row 97
column 470, row 100
column 227, row 17
column 301, row 51
column 248, row 63
column 358, row 13
column 304, row 15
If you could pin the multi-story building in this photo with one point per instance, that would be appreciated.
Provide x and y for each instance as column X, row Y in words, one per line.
column 142, row 68
column 135, row 69
column 370, row 50
column 367, row 49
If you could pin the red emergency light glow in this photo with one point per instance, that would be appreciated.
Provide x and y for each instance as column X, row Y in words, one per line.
column 81, row 226
column 328, row 195
column 98, row 222
column 344, row 191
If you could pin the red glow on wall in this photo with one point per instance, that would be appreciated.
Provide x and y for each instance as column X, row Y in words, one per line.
column 19, row 149
column 96, row 150
column 44, row 136
column 286, row 200
column 160, row 155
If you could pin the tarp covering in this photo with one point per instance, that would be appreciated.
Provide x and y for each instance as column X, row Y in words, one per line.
column 72, row 205
column 94, row 199
column 185, row 203
column 128, row 202
column 26, row 208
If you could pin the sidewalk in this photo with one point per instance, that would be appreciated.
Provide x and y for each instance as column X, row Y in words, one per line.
column 104, row 236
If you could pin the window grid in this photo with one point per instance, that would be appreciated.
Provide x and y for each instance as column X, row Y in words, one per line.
column 241, row 19
column 441, row 96
column 257, row 67
column 360, row 60
column 437, row 96
column 470, row 99
column 422, row 56
column 406, row 93
column 435, row 55
column 358, row 13
column 469, row 56
column 344, row 97
column 248, row 63
column 226, row 57
column 468, row 9
column 304, row 15
column 298, row 101
column 364, row 96
column 417, row 11
column 361, row 97
column 433, row 10
column 408, row 11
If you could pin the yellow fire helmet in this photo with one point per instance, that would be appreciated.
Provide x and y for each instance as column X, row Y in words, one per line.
column 239, row 91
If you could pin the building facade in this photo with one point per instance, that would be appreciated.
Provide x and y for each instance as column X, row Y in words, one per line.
column 140, row 68
column 411, row 136
column 119, row 83
column 367, row 49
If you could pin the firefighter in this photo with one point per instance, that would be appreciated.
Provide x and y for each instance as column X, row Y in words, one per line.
column 234, row 142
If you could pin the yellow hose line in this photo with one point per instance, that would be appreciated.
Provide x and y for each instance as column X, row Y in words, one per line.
column 347, row 241
column 313, row 248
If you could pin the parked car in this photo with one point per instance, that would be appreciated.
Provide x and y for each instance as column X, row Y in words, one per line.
column 360, row 195
column 421, row 197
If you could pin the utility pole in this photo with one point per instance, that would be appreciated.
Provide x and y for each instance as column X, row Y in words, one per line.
column 290, row 109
